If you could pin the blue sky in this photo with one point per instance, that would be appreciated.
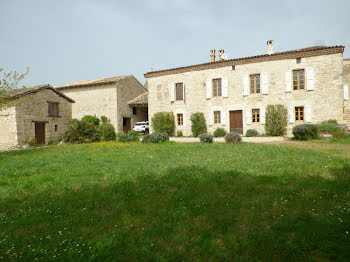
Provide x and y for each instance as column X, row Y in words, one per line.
column 64, row 41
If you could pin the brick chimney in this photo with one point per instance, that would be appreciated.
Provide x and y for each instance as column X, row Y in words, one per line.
column 221, row 52
column 212, row 55
column 270, row 47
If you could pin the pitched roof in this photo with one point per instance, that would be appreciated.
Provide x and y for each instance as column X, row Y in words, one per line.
column 94, row 82
column 141, row 100
column 16, row 93
column 298, row 53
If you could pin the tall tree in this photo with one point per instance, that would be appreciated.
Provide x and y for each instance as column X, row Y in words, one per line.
column 9, row 81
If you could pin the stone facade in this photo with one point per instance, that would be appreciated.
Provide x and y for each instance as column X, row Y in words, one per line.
column 346, row 86
column 322, row 98
column 106, row 98
column 17, row 123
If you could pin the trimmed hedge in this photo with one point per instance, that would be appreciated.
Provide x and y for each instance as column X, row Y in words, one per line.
column 199, row 125
column 251, row 132
column 164, row 122
column 305, row 132
column 233, row 138
column 220, row 132
column 206, row 138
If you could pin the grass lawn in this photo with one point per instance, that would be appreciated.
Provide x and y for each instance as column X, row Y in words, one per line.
column 174, row 202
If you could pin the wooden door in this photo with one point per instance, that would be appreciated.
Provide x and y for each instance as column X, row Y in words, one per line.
column 236, row 121
column 40, row 133
column 126, row 124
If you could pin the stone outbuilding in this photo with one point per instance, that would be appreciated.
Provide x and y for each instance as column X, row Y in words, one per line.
column 107, row 97
column 39, row 112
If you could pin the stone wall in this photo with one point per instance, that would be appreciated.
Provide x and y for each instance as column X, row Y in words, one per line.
column 35, row 108
column 8, row 128
column 326, row 100
column 346, row 80
column 128, row 89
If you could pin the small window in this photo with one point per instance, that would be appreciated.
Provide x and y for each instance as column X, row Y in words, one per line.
column 180, row 119
column 233, row 67
column 255, row 84
column 256, row 115
column 134, row 110
column 298, row 79
column 298, row 60
column 217, row 117
column 53, row 109
column 299, row 113
column 179, row 91
column 56, row 127
column 216, row 87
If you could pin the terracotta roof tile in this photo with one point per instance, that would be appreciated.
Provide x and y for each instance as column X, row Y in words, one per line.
column 298, row 53
column 141, row 100
column 93, row 82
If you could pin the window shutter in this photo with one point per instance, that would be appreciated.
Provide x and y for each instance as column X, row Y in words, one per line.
column 208, row 86
column 262, row 115
column 291, row 114
column 172, row 92
column 183, row 118
column 310, row 81
column 265, row 83
column 308, row 116
column 248, row 116
column 245, row 82
column 225, row 87
column 211, row 118
column 289, row 81
column 223, row 118
column 346, row 92
column 183, row 91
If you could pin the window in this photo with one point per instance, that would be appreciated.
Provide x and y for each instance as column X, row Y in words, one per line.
column 217, row 87
column 298, row 60
column 53, row 109
column 134, row 110
column 298, row 79
column 255, row 84
column 217, row 117
column 56, row 127
column 180, row 119
column 299, row 113
column 256, row 115
column 179, row 91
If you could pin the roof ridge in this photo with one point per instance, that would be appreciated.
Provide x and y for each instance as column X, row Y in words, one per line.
column 224, row 62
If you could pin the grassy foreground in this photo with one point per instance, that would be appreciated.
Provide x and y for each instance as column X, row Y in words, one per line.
column 174, row 202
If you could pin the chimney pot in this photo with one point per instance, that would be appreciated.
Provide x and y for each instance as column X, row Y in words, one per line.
column 212, row 55
column 221, row 52
column 270, row 47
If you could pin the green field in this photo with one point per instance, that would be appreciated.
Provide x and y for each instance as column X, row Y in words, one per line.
column 175, row 202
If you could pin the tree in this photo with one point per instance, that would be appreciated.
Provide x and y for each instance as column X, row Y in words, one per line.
column 9, row 82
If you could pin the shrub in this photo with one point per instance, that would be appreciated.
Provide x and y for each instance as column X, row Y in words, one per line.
column 129, row 137
column 220, row 132
column 276, row 120
column 233, row 138
column 198, row 124
column 206, row 138
column 104, row 120
column 251, row 132
column 329, row 126
column 164, row 122
column 91, row 119
column 305, row 132
column 32, row 142
column 82, row 131
column 107, row 132
column 134, row 134
column 155, row 138
column 339, row 134
column 179, row 133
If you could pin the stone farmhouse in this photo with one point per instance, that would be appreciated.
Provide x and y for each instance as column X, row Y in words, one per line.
column 39, row 112
column 108, row 97
column 233, row 94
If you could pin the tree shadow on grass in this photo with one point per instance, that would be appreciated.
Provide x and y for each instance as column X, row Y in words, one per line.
column 190, row 213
